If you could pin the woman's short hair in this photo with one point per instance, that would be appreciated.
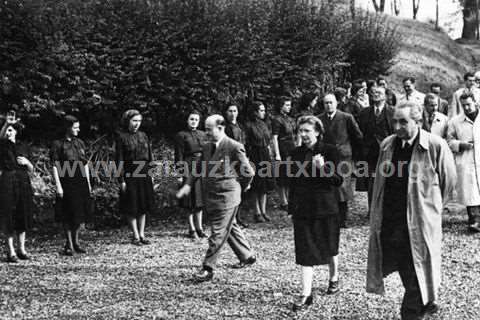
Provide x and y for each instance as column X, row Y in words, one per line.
column 357, row 86
column 194, row 111
column 127, row 116
column 306, row 100
column 312, row 120
column 281, row 101
column 69, row 121
column 254, row 108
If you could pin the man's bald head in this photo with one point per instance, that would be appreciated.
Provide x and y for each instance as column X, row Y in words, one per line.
column 215, row 127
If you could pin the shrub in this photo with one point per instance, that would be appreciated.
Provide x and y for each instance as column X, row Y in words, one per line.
column 96, row 58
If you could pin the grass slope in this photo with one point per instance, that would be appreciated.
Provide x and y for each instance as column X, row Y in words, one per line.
column 118, row 281
column 429, row 56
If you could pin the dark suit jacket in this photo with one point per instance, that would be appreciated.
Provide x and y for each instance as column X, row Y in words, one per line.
column 374, row 131
column 224, row 174
column 343, row 132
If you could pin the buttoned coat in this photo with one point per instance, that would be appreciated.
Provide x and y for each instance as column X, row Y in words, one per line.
column 431, row 178
column 223, row 174
column 456, row 106
column 462, row 129
column 439, row 124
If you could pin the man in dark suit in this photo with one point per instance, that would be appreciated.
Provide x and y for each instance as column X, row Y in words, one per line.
column 376, row 124
column 342, row 130
column 225, row 171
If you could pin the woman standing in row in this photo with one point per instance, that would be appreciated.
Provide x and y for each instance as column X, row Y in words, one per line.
column 314, row 207
column 257, row 144
column 16, row 195
column 73, row 188
column 134, row 157
column 283, row 132
column 188, row 149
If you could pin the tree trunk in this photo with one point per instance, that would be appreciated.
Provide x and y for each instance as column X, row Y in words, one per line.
column 352, row 8
column 470, row 20
column 436, row 17
column 397, row 4
column 416, row 5
column 382, row 5
column 375, row 5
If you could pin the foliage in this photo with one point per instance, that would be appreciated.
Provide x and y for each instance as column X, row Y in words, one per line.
column 96, row 58
column 373, row 46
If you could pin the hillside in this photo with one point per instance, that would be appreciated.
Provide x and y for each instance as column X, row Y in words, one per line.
column 429, row 56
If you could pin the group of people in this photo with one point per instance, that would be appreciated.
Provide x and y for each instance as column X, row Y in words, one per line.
column 414, row 135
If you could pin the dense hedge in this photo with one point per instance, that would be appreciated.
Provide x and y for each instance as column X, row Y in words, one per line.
column 97, row 57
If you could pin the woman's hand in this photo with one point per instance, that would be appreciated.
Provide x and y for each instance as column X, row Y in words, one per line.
column 123, row 186
column 184, row 191
column 59, row 191
column 23, row 161
column 318, row 161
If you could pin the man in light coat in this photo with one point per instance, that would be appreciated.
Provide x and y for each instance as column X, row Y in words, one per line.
column 434, row 121
column 470, row 87
column 464, row 140
column 415, row 173
column 224, row 171
column 411, row 94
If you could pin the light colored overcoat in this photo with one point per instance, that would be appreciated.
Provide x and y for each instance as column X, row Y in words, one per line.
column 462, row 129
column 431, row 178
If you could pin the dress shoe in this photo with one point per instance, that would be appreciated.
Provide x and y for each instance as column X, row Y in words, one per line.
column 266, row 217
column 246, row 263
column 203, row 275
column 136, row 242
column 303, row 303
column 192, row 234
column 12, row 259
column 474, row 227
column 79, row 249
column 430, row 308
column 67, row 251
column 144, row 241
column 23, row 256
column 333, row 287
column 201, row 234
column 242, row 224
column 259, row 218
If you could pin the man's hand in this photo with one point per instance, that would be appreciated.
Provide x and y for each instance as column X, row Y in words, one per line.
column 59, row 191
column 184, row 191
column 123, row 186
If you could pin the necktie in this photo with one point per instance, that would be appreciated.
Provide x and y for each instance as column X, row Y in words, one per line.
column 377, row 111
column 214, row 148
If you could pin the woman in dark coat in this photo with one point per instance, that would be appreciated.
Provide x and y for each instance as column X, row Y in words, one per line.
column 134, row 156
column 314, row 207
column 258, row 138
column 16, row 195
column 73, row 188
column 188, row 149
column 283, row 134
column 235, row 131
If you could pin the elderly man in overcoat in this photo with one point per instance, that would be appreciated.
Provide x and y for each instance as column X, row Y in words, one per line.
column 415, row 173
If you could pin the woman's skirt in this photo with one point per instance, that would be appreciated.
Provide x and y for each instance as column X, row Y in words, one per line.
column 138, row 199
column 264, row 180
column 76, row 201
column 16, row 201
column 316, row 240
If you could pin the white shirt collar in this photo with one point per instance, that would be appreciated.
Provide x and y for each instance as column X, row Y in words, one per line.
column 410, row 141
column 218, row 142
column 330, row 116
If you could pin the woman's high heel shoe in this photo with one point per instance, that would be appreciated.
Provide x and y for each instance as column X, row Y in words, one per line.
column 303, row 303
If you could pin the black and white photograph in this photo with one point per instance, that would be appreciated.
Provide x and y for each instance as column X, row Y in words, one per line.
column 240, row 159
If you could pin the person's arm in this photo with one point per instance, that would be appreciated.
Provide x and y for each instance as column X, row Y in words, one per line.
column 58, row 184
column 446, row 170
column 247, row 172
column 356, row 137
column 454, row 143
column 119, row 160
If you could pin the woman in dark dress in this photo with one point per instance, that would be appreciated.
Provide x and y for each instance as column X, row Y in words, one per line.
column 134, row 156
column 283, row 134
column 314, row 207
column 235, row 131
column 257, row 145
column 16, row 195
column 188, row 149
column 73, row 188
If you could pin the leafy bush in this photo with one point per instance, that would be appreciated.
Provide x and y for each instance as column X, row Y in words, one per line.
column 96, row 58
